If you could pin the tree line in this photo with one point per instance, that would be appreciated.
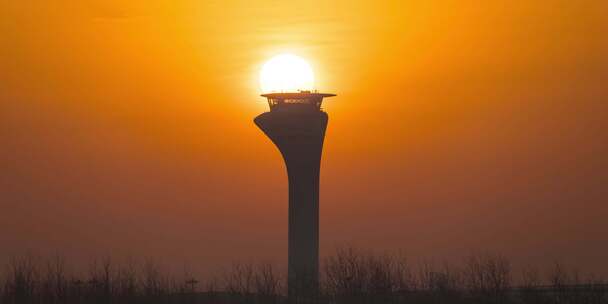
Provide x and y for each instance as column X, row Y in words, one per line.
column 348, row 276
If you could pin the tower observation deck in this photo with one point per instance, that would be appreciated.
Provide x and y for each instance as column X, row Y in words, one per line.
column 300, row 101
column 296, row 124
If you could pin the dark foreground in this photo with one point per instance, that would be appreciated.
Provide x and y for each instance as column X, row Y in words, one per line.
column 349, row 276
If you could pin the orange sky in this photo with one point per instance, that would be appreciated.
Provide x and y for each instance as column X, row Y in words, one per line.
column 126, row 129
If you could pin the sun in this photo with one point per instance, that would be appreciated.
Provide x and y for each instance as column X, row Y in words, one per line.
column 286, row 73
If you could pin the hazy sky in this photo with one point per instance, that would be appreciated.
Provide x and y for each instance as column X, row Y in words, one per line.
column 126, row 129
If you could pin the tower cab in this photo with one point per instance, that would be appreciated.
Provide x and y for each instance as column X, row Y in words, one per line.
column 302, row 101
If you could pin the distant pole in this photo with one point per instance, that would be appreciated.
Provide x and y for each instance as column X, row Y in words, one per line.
column 296, row 125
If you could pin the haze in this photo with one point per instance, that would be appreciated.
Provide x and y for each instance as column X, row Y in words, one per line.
column 126, row 129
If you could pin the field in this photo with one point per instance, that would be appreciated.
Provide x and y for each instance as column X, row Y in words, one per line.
column 348, row 276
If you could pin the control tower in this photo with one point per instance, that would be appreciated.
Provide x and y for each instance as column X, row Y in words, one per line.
column 296, row 125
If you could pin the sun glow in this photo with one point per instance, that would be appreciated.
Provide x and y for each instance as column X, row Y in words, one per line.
column 286, row 73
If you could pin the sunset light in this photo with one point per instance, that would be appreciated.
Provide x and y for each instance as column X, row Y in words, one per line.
column 290, row 152
column 286, row 73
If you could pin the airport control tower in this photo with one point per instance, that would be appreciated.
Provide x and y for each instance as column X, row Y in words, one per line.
column 296, row 125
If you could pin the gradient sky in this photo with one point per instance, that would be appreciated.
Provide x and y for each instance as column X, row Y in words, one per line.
column 126, row 128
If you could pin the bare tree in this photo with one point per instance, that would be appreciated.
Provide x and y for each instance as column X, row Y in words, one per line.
column 344, row 275
column 240, row 279
column 152, row 280
column 55, row 281
column 488, row 276
column 266, row 282
column 125, row 281
column 352, row 276
column 22, row 278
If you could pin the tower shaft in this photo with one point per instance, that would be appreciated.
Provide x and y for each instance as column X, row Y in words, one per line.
column 299, row 136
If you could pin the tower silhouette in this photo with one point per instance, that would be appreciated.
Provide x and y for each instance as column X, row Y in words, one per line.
column 296, row 125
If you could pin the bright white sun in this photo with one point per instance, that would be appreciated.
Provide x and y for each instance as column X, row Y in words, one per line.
column 286, row 73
